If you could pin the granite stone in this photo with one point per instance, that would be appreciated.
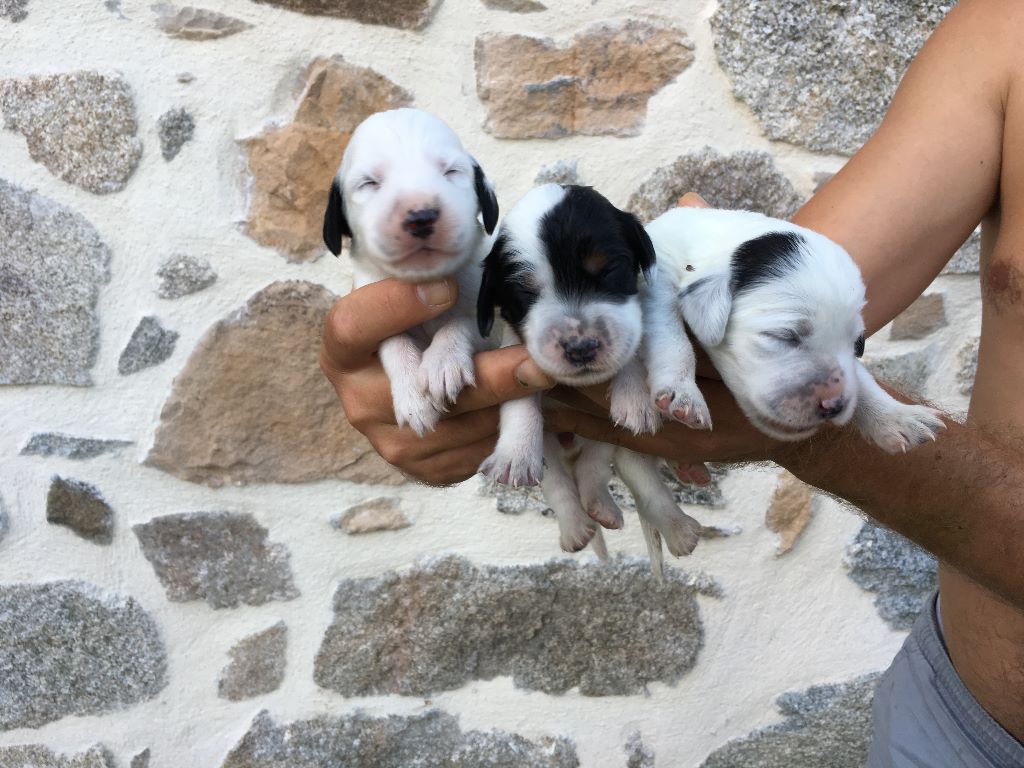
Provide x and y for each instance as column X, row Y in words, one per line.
column 402, row 14
column 516, row 6
column 359, row 740
column 189, row 23
column 637, row 754
column 66, row 648
column 967, row 259
column 149, row 345
column 140, row 760
column 80, row 125
column 922, row 318
column 81, row 507
column 52, row 266
column 608, row 629
column 175, row 127
column 559, row 172
column 967, row 359
column 908, row 373
column 39, row 756
column 257, row 665
column 223, row 558
column 15, row 10
column 69, row 446
column 181, row 275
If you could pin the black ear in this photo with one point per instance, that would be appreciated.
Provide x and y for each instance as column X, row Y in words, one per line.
column 639, row 241
column 490, row 284
column 335, row 223
column 486, row 197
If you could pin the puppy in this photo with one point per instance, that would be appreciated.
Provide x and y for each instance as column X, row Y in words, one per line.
column 777, row 308
column 409, row 195
column 565, row 271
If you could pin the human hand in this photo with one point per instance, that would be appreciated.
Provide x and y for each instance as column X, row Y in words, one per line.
column 355, row 327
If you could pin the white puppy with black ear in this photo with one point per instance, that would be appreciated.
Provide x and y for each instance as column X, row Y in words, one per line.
column 411, row 199
column 777, row 308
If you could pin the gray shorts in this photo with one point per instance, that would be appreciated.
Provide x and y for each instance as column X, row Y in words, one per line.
column 924, row 716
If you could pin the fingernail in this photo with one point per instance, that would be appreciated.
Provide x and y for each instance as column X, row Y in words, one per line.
column 435, row 294
column 530, row 376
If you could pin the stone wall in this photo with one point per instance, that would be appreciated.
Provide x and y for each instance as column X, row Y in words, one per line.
column 201, row 564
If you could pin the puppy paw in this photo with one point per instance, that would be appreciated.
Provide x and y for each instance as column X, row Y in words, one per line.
column 680, row 533
column 602, row 509
column 518, row 468
column 685, row 404
column 414, row 409
column 575, row 531
column 904, row 427
column 637, row 414
column 444, row 372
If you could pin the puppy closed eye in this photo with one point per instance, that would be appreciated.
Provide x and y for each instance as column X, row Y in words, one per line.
column 367, row 184
column 786, row 335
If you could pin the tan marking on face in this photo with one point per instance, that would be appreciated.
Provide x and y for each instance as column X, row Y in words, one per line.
column 594, row 262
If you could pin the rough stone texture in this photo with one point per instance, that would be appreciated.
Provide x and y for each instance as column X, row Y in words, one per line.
column 745, row 180
column 968, row 359
column 900, row 573
column 223, row 558
column 251, row 404
column 175, row 127
column 68, row 649
column 292, row 165
column 361, row 741
column 69, row 446
column 403, row 14
column 80, row 507
column 820, row 74
column 609, row 629
column 39, row 756
column 967, row 259
column 80, row 125
column 908, row 373
column 826, row 725
column 925, row 316
column 149, row 345
column 638, row 755
column 381, row 514
column 52, row 264
column 15, row 10
column 559, row 172
column 5, row 523
column 141, row 760
column 597, row 84
column 257, row 665
column 181, row 275
column 188, row 23
column 516, row 6
column 790, row 510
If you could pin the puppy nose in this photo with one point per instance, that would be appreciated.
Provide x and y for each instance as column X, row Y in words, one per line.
column 581, row 350
column 829, row 394
column 832, row 408
column 421, row 223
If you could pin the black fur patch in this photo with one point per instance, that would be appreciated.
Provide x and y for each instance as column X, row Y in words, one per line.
column 503, row 284
column 763, row 259
column 486, row 198
column 335, row 224
column 858, row 346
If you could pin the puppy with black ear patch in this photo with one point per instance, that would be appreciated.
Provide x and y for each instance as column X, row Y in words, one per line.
column 418, row 207
column 565, row 271
column 777, row 308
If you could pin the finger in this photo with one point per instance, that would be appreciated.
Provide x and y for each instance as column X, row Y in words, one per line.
column 592, row 400
column 403, row 448
column 593, row 428
column 357, row 324
column 455, row 465
column 692, row 200
column 502, row 374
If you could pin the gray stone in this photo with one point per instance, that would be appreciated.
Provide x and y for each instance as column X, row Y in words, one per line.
column 39, row 756
column 52, row 264
column 380, row 514
column 825, row 725
column 968, row 360
column 745, row 180
column 820, row 74
column 175, row 127
column 638, row 755
column 80, row 507
column 900, row 573
column 922, row 318
column 516, row 6
column 188, row 23
column 69, row 446
column 149, row 345
column 15, row 10
column 80, row 125
column 359, row 740
column 560, row 172
column 967, row 259
column 5, row 523
column 141, row 760
column 607, row 628
column 908, row 372
column 185, row 77
column 223, row 558
column 403, row 14
column 68, row 649
column 257, row 665
column 181, row 275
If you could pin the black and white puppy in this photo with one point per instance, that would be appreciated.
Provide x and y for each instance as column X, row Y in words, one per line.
column 565, row 271
column 411, row 199
column 777, row 308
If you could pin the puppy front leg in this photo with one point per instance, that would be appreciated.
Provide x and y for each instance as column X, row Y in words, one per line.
column 401, row 360
column 655, row 504
column 518, row 458
column 894, row 426
column 574, row 527
column 631, row 404
column 670, row 360
column 447, row 365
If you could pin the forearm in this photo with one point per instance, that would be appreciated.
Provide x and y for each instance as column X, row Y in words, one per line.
column 961, row 498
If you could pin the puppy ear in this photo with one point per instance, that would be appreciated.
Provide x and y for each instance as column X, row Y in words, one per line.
column 490, row 285
column 335, row 223
column 640, row 242
column 706, row 305
column 486, row 197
